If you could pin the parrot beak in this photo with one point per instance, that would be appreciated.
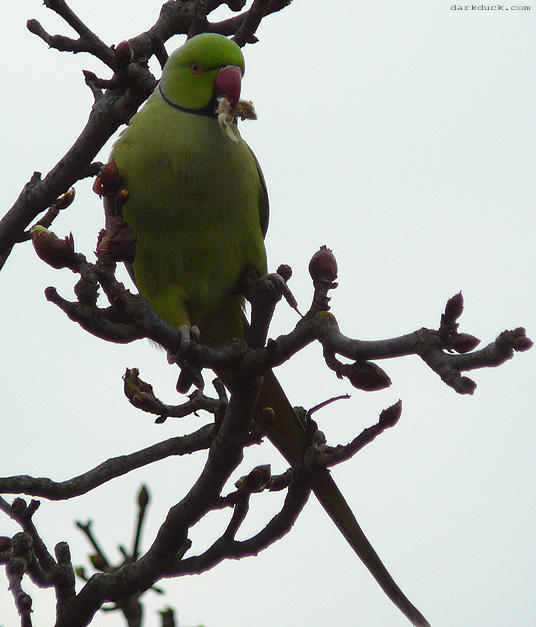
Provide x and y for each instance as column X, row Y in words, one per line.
column 228, row 83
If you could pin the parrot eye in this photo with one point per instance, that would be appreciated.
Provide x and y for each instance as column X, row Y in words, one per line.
column 195, row 68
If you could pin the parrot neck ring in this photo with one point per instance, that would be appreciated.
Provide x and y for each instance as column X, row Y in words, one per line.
column 209, row 110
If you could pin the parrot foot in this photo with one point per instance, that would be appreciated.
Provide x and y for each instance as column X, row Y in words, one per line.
column 190, row 374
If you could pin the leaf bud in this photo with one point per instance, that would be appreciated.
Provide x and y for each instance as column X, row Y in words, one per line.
column 136, row 390
column 523, row 343
column 258, row 478
column 5, row 544
column 467, row 386
column 143, row 497
column 517, row 339
column 123, row 54
column 323, row 265
column 319, row 438
column 99, row 563
column 58, row 253
column 117, row 243
column 390, row 416
column 285, row 272
column 365, row 375
column 108, row 180
column 454, row 307
column 463, row 342
column 65, row 199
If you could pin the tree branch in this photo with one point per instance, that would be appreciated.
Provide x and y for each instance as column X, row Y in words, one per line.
column 224, row 456
column 108, row 470
column 428, row 344
column 19, row 561
column 38, row 194
column 130, row 317
column 323, row 456
column 226, row 547
column 141, row 395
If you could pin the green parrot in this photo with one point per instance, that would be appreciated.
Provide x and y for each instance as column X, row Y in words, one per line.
column 199, row 209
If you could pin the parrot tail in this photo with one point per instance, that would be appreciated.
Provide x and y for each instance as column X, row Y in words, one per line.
column 286, row 433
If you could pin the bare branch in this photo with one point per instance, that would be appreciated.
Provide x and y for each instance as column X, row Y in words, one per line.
column 322, row 456
column 129, row 317
column 40, row 566
column 110, row 469
column 141, row 395
column 22, row 513
column 88, row 41
column 233, row 24
column 227, row 548
column 251, row 22
column 224, row 456
column 19, row 561
column 263, row 293
column 426, row 343
column 107, row 115
column 99, row 559
column 143, row 501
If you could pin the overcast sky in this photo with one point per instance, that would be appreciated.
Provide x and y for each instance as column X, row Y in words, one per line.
column 401, row 134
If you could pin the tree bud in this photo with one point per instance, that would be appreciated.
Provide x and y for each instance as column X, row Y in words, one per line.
column 136, row 390
column 58, row 253
column 364, row 375
column 463, row 342
column 123, row 54
column 258, row 478
column 390, row 416
column 117, row 243
column 454, row 307
column 108, row 181
column 143, row 497
column 5, row 544
column 467, row 386
column 523, row 343
column 65, row 200
column 285, row 272
column 323, row 265
column 99, row 563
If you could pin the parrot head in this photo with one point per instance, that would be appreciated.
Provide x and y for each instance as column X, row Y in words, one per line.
column 206, row 67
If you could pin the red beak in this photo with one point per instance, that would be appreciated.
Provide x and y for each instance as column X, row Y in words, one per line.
column 229, row 82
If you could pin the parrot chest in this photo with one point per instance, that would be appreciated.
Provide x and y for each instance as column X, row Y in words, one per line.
column 194, row 204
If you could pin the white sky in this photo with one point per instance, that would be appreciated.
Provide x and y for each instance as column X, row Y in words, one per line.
column 401, row 134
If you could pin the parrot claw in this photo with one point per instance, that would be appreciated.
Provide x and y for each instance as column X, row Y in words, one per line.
column 195, row 334
column 189, row 336
column 190, row 374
